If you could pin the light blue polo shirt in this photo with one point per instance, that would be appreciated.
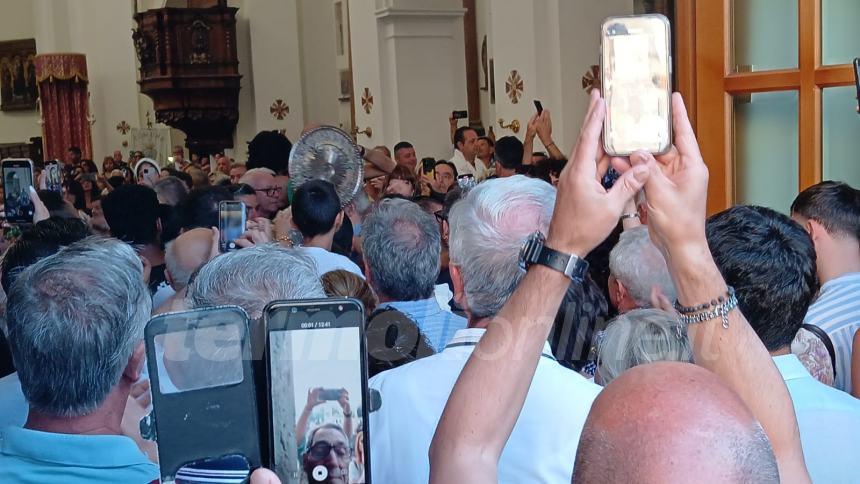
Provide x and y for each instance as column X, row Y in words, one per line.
column 30, row 456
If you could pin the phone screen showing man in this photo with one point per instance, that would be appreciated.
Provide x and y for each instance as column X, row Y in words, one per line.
column 17, row 180
column 317, row 387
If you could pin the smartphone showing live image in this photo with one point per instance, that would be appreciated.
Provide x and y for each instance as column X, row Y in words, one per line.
column 17, row 180
column 317, row 378
column 231, row 223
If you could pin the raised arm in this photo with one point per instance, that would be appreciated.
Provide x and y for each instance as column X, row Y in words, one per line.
column 676, row 193
column 529, row 140
column 544, row 132
column 486, row 401
column 377, row 164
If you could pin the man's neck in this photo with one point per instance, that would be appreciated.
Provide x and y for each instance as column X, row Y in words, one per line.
column 153, row 254
column 479, row 323
column 323, row 241
column 842, row 257
column 105, row 420
column 785, row 350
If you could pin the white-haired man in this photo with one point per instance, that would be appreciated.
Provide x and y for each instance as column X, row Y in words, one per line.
column 636, row 267
column 487, row 230
column 263, row 181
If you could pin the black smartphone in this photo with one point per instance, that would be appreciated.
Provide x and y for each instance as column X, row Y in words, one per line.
column 17, row 180
column 428, row 165
column 315, row 351
column 460, row 114
column 203, row 395
column 52, row 176
column 857, row 80
column 538, row 106
column 231, row 223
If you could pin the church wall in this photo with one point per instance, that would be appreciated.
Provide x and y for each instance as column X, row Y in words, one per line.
column 16, row 22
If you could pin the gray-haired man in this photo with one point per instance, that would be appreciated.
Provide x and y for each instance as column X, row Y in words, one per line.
column 75, row 325
column 402, row 246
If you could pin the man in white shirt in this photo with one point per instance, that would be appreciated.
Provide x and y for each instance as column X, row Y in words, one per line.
column 485, row 272
column 770, row 262
column 317, row 214
column 830, row 213
column 465, row 154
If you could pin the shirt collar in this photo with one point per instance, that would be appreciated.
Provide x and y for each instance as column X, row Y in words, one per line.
column 93, row 451
column 471, row 336
column 429, row 305
column 844, row 279
column 790, row 367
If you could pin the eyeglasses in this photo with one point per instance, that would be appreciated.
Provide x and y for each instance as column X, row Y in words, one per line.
column 269, row 191
column 321, row 449
column 441, row 216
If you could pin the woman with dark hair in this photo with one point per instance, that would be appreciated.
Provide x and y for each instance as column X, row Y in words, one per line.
column 401, row 181
column 91, row 191
column 73, row 193
column 88, row 166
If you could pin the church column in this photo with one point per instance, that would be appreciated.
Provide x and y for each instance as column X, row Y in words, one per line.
column 410, row 56
column 540, row 50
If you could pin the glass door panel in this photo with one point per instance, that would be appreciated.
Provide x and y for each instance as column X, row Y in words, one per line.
column 764, row 35
column 766, row 149
column 840, row 125
column 840, row 31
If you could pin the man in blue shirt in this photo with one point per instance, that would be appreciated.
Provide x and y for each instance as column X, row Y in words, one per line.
column 75, row 325
column 770, row 261
column 402, row 246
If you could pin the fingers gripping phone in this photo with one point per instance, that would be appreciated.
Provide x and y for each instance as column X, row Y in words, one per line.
column 231, row 224
column 317, row 379
column 636, row 65
column 17, row 180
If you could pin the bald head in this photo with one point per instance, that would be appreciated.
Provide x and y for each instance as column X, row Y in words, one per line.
column 186, row 254
column 672, row 422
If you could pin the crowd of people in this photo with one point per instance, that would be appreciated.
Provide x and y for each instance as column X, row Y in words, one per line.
column 667, row 347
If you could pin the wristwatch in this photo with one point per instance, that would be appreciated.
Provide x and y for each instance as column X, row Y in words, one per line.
column 535, row 251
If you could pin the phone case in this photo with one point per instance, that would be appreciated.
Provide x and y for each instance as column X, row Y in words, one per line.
column 613, row 135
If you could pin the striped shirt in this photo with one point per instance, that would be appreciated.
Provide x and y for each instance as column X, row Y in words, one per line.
column 436, row 324
column 837, row 312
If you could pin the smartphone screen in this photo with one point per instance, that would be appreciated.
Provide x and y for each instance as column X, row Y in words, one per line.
column 538, row 106
column 53, row 178
column 231, row 223
column 203, row 386
column 317, row 369
column 17, row 180
column 636, row 84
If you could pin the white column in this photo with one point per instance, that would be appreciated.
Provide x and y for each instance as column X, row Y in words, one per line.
column 551, row 44
column 275, row 48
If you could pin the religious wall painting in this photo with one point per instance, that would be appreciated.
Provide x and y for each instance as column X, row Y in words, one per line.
column 18, row 88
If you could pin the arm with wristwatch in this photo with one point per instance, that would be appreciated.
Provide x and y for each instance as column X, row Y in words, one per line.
column 471, row 434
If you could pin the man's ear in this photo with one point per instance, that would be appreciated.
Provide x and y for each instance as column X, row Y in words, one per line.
column 338, row 221
column 367, row 277
column 459, row 286
column 815, row 230
column 135, row 364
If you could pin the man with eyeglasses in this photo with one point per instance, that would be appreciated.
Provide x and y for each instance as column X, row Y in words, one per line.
column 327, row 456
column 262, row 180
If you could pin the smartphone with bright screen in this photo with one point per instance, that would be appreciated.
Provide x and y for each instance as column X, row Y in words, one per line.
column 52, row 176
column 231, row 223
column 203, row 394
column 17, row 180
column 317, row 372
column 636, row 67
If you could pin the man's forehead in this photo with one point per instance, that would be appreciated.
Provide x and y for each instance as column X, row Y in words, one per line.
column 329, row 435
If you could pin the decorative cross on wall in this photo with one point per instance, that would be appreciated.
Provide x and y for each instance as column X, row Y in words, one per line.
column 514, row 86
column 279, row 109
column 367, row 100
column 123, row 127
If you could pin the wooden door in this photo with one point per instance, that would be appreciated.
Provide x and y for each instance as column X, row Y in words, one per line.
column 771, row 88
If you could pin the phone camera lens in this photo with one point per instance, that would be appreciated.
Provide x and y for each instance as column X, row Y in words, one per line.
column 340, row 308
column 293, row 310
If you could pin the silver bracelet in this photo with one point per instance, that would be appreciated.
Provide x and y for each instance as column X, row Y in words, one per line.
column 720, row 310
column 629, row 215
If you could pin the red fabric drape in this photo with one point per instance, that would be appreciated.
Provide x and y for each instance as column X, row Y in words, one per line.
column 62, row 80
